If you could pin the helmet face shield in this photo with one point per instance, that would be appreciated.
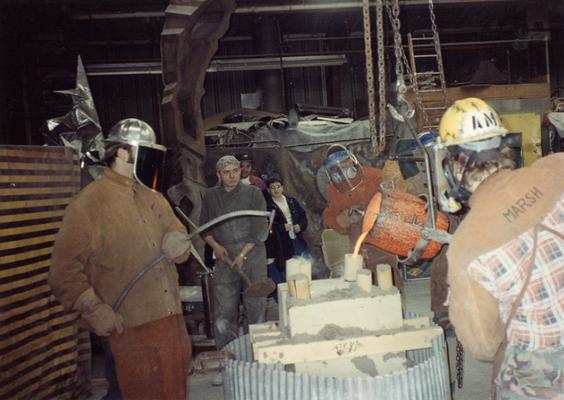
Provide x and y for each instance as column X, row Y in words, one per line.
column 148, row 165
column 459, row 170
column 343, row 171
column 442, row 188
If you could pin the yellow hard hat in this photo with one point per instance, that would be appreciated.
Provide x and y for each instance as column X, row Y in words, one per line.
column 469, row 120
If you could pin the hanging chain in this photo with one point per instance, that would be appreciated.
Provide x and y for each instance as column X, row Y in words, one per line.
column 459, row 364
column 381, row 75
column 393, row 15
column 403, row 68
column 369, row 71
column 437, row 44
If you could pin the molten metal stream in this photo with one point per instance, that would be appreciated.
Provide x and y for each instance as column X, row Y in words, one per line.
column 359, row 242
column 370, row 217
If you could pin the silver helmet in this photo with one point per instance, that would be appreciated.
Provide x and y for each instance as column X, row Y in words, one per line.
column 132, row 131
column 148, row 156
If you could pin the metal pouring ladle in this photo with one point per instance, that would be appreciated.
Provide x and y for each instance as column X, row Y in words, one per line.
column 260, row 287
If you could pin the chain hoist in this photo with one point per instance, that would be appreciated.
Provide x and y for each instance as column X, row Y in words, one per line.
column 381, row 75
column 393, row 15
column 369, row 71
column 403, row 70
column 459, row 364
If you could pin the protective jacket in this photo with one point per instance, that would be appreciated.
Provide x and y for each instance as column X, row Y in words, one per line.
column 503, row 207
column 110, row 231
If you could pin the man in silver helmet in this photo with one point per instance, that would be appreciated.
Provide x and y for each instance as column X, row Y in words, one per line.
column 506, row 259
column 111, row 230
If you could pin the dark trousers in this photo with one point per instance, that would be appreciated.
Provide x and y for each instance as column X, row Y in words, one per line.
column 113, row 392
column 277, row 277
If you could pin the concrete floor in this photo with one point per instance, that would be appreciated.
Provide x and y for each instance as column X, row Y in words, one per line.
column 476, row 374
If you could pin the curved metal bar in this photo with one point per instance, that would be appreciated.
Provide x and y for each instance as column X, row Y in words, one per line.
column 161, row 257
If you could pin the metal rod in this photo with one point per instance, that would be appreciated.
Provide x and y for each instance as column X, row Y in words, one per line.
column 277, row 144
column 427, row 159
column 185, row 217
column 161, row 257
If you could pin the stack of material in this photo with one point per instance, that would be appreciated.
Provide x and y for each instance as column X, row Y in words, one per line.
column 340, row 328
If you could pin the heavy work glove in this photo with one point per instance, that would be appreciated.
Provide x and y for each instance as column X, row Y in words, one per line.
column 176, row 246
column 101, row 318
column 349, row 216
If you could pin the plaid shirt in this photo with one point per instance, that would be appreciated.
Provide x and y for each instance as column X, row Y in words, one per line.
column 539, row 319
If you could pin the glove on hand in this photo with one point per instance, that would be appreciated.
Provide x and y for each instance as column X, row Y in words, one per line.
column 176, row 246
column 101, row 318
column 348, row 216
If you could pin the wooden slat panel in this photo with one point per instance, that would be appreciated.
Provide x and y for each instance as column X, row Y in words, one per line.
column 39, row 341
column 27, row 242
column 43, row 355
column 41, row 380
column 31, row 216
column 36, row 166
column 24, row 282
column 29, row 229
column 37, row 152
column 19, row 342
column 33, row 203
column 23, row 295
column 24, row 268
column 29, row 308
column 39, row 178
column 23, row 256
column 37, row 190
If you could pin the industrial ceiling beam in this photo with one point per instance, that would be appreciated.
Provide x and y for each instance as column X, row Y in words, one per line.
column 247, row 64
column 282, row 8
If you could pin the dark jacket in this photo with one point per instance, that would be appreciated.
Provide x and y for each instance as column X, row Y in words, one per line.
column 279, row 245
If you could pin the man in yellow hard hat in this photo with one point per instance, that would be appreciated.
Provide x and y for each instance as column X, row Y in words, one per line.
column 506, row 259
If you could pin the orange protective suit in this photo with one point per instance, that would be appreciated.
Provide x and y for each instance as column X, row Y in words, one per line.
column 338, row 202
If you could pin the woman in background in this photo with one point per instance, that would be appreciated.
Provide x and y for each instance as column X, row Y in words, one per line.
column 285, row 238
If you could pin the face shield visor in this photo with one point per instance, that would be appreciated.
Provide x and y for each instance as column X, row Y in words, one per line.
column 343, row 170
column 459, row 169
column 148, row 164
column 446, row 202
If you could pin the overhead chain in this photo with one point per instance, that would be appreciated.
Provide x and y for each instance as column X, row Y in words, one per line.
column 403, row 68
column 369, row 71
column 393, row 15
column 459, row 364
column 381, row 75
